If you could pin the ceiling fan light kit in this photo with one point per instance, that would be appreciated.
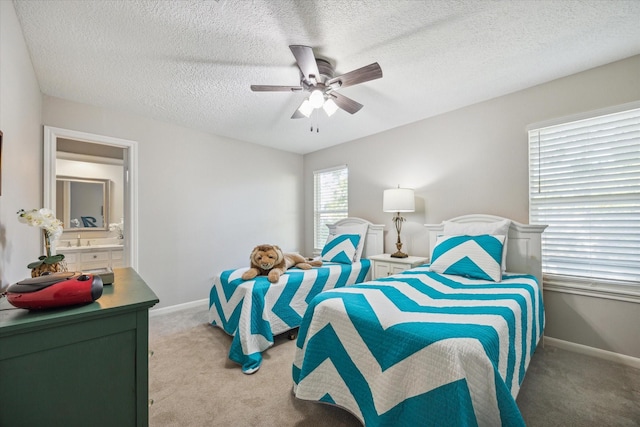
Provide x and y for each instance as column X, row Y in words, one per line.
column 317, row 78
column 330, row 107
column 306, row 108
column 316, row 98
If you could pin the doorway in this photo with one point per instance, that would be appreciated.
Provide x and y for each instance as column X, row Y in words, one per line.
column 61, row 143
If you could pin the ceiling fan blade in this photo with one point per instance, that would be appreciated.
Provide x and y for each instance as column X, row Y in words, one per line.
column 347, row 104
column 269, row 88
column 361, row 75
column 306, row 61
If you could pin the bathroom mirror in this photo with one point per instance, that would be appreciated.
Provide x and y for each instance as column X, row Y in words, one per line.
column 82, row 203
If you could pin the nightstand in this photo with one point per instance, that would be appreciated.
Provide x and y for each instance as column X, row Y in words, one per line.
column 384, row 265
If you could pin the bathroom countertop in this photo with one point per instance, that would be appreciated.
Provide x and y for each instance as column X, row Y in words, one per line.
column 88, row 248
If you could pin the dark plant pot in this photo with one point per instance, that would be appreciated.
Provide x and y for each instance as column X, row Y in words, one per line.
column 51, row 268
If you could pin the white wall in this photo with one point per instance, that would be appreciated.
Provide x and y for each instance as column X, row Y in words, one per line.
column 20, row 121
column 474, row 160
column 204, row 201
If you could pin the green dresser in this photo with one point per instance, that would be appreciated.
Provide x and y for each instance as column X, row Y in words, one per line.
column 78, row 366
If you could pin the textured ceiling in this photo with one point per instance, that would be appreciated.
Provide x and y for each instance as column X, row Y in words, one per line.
column 192, row 62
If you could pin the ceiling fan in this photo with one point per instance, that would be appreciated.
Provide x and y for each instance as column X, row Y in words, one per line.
column 317, row 76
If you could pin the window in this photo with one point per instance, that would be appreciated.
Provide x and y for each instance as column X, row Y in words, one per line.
column 330, row 201
column 584, row 182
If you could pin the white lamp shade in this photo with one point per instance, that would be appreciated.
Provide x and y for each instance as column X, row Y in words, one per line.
column 316, row 98
column 306, row 108
column 330, row 107
column 398, row 200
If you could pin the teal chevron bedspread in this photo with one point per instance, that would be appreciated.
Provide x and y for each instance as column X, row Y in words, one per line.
column 254, row 311
column 421, row 348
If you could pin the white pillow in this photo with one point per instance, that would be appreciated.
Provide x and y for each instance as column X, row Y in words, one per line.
column 477, row 228
column 361, row 230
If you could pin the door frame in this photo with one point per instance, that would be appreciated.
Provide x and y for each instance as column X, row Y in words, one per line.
column 130, row 165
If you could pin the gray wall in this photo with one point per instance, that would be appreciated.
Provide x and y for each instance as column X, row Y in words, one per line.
column 474, row 160
column 20, row 121
column 204, row 201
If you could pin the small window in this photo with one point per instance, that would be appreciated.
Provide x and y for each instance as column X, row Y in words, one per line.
column 330, row 201
column 584, row 182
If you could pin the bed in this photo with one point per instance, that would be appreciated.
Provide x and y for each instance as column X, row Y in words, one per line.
column 433, row 345
column 254, row 311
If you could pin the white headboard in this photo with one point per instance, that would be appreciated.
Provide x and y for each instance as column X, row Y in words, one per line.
column 524, row 247
column 373, row 243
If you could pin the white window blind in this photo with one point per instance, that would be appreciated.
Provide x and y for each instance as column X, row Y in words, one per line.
column 584, row 182
column 331, row 201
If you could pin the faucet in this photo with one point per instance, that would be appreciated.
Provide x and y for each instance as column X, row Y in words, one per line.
column 79, row 242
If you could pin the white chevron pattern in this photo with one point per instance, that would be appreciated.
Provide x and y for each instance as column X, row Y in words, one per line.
column 483, row 255
column 491, row 364
column 341, row 248
column 256, row 310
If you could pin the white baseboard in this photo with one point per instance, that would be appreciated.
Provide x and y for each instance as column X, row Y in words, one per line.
column 179, row 307
column 634, row 362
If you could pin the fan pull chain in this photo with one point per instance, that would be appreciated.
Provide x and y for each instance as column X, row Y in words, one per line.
column 314, row 115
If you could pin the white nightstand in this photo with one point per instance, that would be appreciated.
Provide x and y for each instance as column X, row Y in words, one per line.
column 384, row 265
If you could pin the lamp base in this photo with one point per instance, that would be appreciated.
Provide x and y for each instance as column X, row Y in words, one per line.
column 399, row 255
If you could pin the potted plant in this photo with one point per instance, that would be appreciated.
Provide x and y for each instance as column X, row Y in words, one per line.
column 52, row 230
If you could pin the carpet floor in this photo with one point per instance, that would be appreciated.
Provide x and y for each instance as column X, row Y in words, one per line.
column 193, row 383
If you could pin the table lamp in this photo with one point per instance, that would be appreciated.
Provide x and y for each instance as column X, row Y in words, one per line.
column 398, row 200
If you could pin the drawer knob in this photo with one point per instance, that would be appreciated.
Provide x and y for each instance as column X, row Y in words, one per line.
column 95, row 256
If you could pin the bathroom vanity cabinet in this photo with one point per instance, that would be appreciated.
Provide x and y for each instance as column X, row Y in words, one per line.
column 78, row 366
column 89, row 258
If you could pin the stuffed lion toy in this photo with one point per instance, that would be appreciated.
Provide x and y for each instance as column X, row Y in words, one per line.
column 270, row 261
